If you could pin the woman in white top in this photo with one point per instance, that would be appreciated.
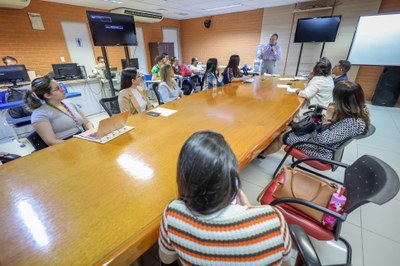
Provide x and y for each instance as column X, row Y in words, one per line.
column 131, row 97
column 320, row 86
column 168, row 89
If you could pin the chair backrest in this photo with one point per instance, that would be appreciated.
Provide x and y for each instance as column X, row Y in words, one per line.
column 36, row 141
column 369, row 179
column 157, row 93
column 338, row 155
column 110, row 105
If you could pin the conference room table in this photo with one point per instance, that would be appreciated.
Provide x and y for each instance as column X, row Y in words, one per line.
column 85, row 203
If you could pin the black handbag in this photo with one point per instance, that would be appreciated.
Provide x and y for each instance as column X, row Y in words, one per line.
column 308, row 124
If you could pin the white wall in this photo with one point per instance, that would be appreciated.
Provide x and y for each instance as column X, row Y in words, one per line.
column 283, row 21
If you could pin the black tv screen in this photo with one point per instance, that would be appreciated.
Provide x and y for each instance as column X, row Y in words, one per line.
column 318, row 29
column 109, row 29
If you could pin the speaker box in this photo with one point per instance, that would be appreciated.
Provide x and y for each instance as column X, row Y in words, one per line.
column 388, row 87
column 207, row 23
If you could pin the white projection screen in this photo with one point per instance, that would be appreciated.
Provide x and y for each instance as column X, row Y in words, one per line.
column 376, row 41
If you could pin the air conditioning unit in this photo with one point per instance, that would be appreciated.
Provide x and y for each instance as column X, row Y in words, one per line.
column 139, row 15
column 14, row 3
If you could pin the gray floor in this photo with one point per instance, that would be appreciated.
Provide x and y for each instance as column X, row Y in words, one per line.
column 371, row 230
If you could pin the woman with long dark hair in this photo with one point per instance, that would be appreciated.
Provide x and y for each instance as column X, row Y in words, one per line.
column 350, row 118
column 212, row 223
column 210, row 79
column 53, row 118
column 232, row 72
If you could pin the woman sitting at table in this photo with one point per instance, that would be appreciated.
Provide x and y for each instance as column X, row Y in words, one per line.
column 319, row 88
column 131, row 97
column 210, row 79
column 168, row 88
column 54, row 120
column 212, row 222
column 350, row 119
column 232, row 72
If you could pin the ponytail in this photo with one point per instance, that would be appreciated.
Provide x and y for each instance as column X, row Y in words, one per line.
column 39, row 87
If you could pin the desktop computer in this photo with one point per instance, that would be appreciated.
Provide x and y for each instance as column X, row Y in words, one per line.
column 13, row 74
column 66, row 71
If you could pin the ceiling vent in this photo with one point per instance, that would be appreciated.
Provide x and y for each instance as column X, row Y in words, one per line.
column 139, row 15
column 14, row 3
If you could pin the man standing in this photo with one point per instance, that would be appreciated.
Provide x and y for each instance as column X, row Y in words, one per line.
column 340, row 71
column 270, row 54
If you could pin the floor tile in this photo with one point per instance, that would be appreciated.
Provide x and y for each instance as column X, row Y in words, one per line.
column 255, row 175
column 334, row 252
column 252, row 191
column 379, row 250
column 382, row 142
column 383, row 220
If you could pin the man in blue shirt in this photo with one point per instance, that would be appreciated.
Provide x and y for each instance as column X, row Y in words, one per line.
column 340, row 71
column 270, row 54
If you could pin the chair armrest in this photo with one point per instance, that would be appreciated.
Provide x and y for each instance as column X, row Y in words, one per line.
column 328, row 161
column 310, row 204
column 304, row 246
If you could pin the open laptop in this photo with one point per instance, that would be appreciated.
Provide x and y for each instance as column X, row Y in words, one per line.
column 107, row 126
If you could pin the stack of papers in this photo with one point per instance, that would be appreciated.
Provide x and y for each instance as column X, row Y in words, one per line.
column 283, row 86
column 163, row 111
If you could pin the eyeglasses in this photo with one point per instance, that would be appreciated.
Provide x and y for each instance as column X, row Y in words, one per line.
column 56, row 88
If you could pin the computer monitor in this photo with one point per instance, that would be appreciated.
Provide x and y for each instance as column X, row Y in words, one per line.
column 133, row 62
column 13, row 74
column 66, row 71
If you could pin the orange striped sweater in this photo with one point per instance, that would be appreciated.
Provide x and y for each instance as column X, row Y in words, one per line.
column 236, row 235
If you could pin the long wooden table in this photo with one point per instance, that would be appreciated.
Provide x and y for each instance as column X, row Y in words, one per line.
column 84, row 203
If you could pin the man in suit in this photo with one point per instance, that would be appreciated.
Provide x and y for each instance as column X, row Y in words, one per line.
column 340, row 71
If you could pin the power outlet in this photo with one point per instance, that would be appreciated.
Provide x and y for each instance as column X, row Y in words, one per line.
column 62, row 59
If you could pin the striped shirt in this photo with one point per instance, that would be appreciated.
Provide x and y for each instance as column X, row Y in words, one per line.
column 236, row 235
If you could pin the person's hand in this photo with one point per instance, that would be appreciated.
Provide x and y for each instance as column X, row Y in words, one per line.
column 242, row 199
column 311, row 75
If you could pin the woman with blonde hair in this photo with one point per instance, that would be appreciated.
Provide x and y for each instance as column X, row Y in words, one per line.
column 168, row 89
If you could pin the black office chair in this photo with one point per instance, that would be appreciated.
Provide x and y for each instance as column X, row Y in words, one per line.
column 110, row 105
column 8, row 158
column 157, row 93
column 36, row 141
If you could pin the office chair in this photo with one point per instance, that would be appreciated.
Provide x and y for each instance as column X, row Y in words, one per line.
column 36, row 141
column 368, row 179
column 319, row 165
column 8, row 158
column 110, row 105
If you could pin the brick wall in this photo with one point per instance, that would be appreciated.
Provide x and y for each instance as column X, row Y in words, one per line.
column 368, row 76
column 39, row 49
column 236, row 33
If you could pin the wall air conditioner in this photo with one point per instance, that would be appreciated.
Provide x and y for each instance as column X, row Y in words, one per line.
column 14, row 3
column 139, row 15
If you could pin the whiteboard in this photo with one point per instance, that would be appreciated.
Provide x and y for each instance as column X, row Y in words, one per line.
column 376, row 41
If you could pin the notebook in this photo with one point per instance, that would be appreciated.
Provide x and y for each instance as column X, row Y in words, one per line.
column 108, row 129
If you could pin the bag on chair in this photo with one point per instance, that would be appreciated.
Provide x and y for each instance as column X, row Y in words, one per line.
column 296, row 183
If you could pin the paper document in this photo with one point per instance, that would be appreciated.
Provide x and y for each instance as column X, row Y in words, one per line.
column 86, row 136
column 248, row 80
column 285, row 78
column 291, row 90
column 283, row 86
column 276, row 75
column 300, row 78
column 164, row 111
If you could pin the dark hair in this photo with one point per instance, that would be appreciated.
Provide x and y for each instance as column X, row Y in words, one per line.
column 212, row 66
column 349, row 102
column 276, row 35
column 164, row 55
column 345, row 65
column 234, row 61
column 8, row 58
column 39, row 87
column 99, row 57
column 158, row 58
column 194, row 59
column 173, row 59
column 126, row 77
column 323, row 67
column 207, row 173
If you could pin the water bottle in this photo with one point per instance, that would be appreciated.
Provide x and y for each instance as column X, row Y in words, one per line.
column 336, row 204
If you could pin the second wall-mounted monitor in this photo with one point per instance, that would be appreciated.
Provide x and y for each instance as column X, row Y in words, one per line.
column 318, row 29
column 133, row 62
column 110, row 29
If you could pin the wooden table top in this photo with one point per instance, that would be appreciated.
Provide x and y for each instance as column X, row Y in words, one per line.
column 82, row 203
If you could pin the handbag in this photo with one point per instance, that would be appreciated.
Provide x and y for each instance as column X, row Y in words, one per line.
column 296, row 183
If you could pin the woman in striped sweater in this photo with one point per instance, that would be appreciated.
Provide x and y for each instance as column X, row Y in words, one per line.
column 212, row 222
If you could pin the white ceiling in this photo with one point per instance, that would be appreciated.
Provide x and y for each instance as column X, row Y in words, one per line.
column 181, row 9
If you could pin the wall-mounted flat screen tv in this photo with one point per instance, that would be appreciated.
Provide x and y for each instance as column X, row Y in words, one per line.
column 318, row 29
column 109, row 29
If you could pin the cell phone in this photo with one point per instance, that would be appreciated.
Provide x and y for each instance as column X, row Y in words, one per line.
column 289, row 83
column 152, row 113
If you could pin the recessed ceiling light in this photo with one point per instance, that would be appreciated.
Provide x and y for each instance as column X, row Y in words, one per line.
column 114, row 1
column 222, row 7
column 162, row 9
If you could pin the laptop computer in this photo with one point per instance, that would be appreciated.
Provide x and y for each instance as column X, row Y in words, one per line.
column 108, row 129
